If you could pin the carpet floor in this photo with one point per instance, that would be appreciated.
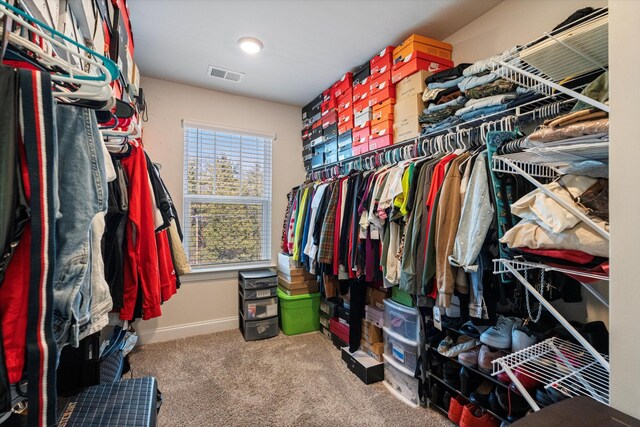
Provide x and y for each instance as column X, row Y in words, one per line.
column 221, row 380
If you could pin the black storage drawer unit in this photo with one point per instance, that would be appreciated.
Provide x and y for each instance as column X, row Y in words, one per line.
column 258, row 304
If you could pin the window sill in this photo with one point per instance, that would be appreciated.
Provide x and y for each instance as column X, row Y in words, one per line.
column 218, row 273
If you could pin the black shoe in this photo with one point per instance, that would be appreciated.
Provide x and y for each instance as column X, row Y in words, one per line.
column 511, row 403
column 451, row 375
column 468, row 381
column 597, row 335
column 446, row 399
column 436, row 394
column 480, row 396
column 542, row 398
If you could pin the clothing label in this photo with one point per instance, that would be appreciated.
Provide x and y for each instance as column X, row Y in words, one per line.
column 437, row 320
column 263, row 293
column 398, row 352
column 251, row 311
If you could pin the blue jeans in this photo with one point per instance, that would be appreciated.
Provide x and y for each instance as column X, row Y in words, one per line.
column 82, row 194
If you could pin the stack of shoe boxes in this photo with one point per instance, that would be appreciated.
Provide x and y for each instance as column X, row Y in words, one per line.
column 329, row 126
column 307, row 150
column 372, row 338
column 361, row 110
column 343, row 91
column 414, row 60
column 381, row 92
column 312, row 152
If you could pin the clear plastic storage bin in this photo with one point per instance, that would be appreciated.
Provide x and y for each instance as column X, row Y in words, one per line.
column 260, row 308
column 259, row 329
column 402, row 320
column 401, row 383
column 256, row 279
column 401, row 350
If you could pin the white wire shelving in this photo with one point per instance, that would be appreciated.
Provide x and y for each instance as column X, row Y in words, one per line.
column 547, row 64
column 558, row 364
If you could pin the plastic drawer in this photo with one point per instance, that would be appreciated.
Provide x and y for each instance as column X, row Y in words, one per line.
column 260, row 308
column 402, row 320
column 248, row 294
column 256, row 279
column 401, row 383
column 401, row 350
column 259, row 329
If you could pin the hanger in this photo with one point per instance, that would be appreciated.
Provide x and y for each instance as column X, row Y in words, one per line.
column 89, row 86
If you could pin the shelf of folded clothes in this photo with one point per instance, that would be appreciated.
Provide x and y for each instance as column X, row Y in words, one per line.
column 562, row 367
column 567, row 54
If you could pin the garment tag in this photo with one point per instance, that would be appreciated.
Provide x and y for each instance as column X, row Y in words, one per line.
column 437, row 320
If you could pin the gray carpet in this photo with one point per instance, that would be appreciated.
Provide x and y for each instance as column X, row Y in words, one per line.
column 221, row 380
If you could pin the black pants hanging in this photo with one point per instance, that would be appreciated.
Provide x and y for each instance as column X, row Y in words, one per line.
column 358, row 292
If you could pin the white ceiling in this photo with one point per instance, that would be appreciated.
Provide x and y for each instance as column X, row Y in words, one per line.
column 308, row 45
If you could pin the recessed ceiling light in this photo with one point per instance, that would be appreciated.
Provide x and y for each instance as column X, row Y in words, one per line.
column 250, row 45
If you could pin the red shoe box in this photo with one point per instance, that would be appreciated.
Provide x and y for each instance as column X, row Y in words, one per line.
column 345, row 102
column 417, row 61
column 359, row 106
column 382, row 95
column 382, row 81
column 327, row 106
column 380, row 142
column 316, row 124
column 345, row 126
column 342, row 85
column 338, row 329
column 382, row 59
column 327, row 95
column 382, row 129
column 361, row 91
column 361, row 136
column 330, row 118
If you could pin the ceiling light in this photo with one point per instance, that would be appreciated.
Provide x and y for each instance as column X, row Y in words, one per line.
column 250, row 45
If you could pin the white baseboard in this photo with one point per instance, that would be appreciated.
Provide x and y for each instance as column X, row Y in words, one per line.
column 169, row 333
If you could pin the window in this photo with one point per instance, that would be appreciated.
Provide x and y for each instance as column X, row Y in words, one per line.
column 227, row 196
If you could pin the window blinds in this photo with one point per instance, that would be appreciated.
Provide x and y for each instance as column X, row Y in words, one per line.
column 227, row 196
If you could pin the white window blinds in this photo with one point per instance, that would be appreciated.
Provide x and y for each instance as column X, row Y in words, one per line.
column 227, row 196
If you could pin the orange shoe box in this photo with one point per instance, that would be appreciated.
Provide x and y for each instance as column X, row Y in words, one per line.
column 382, row 95
column 418, row 61
column 345, row 101
column 345, row 122
column 382, row 59
column 383, row 113
column 416, row 43
column 382, row 128
column 380, row 142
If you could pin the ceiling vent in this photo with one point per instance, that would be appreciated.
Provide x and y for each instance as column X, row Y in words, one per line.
column 221, row 73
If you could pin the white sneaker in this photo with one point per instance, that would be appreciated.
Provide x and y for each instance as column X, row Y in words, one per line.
column 521, row 339
column 499, row 336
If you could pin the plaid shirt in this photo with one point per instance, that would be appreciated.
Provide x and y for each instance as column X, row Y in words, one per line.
column 325, row 251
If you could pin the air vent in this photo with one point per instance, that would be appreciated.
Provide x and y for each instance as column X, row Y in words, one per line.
column 221, row 73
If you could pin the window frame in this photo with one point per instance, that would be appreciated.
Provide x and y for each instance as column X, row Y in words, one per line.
column 266, row 201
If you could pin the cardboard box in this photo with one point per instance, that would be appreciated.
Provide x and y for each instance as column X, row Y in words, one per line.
column 380, row 142
column 368, row 369
column 311, row 288
column 381, row 59
column 382, row 81
column 418, row 61
column 361, row 136
column 345, row 117
column 406, row 129
column 412, row 85
column 376, row 297
column 422, row 44
column 384, row 128
column 287, row 265
column 370, row 332
column 329, row 132
column 361, row 91
column 342, row 85
column 345, row 101
column 327, row 95
column 374, row 350
column 345, row 139
column 407, row 107
column 382, row 95
column 344, row 153
column 330, row 118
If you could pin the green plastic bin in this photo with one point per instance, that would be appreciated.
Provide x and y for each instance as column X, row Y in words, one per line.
column 299, row 313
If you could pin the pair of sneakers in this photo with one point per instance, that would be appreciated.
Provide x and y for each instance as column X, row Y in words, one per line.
column 507, row 334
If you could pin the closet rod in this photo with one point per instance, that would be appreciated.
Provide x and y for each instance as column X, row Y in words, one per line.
column 539, row 112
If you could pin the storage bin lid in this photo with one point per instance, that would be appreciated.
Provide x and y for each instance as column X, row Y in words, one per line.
column 258, row 274
column 286, row 297
column 399, row 307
